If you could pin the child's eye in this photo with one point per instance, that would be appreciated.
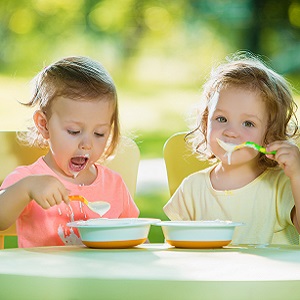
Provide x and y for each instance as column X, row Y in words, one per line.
column 248, row 124
column 221, row 119
column 99, row 134
column 73, row 132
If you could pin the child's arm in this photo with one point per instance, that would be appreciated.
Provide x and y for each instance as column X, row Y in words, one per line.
column 46, row 190
column 288, row 158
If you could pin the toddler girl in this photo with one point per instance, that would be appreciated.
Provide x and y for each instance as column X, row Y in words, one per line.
column 245, row 101
column 77, row 119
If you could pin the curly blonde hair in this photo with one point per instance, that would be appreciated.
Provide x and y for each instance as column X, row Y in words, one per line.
column 246, row 70
column 79, row 78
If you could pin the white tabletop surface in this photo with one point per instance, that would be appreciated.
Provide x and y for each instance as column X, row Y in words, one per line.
column 151, row 271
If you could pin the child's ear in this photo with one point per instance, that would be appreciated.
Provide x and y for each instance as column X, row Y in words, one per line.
column 41, row 123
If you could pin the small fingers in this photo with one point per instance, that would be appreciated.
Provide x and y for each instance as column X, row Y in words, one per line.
column 65, row 196
column 51, row 200
column 49, row 192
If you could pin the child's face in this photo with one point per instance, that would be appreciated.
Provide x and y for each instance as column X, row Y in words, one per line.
column 235, row 116
column 78, row 133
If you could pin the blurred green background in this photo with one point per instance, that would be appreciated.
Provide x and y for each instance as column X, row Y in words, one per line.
column 158, row 52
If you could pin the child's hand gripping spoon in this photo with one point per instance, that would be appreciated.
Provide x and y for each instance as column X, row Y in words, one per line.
column 99, row 207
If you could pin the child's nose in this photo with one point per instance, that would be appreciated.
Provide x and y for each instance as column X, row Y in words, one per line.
column 230, row 131
column 86, row 143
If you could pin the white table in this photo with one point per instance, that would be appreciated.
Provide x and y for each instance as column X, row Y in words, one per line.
column 150, row 271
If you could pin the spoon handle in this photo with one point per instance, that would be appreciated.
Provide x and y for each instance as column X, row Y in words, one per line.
column 78, row 198
column 258, row 148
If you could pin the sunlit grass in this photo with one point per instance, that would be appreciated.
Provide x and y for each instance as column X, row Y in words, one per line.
column 150, row 205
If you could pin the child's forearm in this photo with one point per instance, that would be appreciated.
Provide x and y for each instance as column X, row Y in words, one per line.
column 296, row 211
column 13, row 200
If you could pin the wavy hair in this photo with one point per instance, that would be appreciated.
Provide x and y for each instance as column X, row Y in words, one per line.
column 79, row 78
column 247, row 71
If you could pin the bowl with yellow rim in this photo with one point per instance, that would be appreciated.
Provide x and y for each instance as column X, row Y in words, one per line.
column 198, row 234
column 113, row 233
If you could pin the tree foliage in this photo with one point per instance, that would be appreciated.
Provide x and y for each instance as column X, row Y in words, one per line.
column 124, row 31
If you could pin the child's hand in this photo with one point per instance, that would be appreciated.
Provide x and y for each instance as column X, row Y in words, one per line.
column 47, row 191
column 288, row 157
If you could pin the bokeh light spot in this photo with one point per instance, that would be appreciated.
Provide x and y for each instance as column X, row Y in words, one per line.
column 22, row 21
column 294, row 14
column 157, row 18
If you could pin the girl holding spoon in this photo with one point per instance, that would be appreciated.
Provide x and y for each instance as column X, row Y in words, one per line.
column 246, row 104
column 77, row 119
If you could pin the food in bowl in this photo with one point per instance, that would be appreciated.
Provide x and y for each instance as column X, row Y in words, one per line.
column 113, row 233
column 198, row 234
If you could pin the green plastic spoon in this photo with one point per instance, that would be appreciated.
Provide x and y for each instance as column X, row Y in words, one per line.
column 229, row 147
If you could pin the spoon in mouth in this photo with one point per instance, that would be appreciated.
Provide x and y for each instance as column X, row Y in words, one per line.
column 99, row 207
column 228, row 147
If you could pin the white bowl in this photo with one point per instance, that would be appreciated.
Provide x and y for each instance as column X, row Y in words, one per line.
column 113, row 233
column 198, row 234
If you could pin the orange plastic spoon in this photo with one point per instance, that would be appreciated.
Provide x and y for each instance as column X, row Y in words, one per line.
column 99, row 207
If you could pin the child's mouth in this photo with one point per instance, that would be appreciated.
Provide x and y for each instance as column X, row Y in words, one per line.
column 78, row 163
